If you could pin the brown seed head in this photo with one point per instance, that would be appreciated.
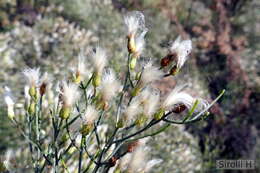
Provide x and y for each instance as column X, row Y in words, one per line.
column 179, row 108
column 43, row 88
column 132, row 146
column 168, row 59
column 112, row 161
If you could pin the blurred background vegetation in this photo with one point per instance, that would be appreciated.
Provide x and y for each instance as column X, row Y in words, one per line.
column 226, row 51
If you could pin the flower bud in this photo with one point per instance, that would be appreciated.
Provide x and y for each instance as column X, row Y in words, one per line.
column 102, row 105
column 141, row 120
column 72, row 150
column 117, row 170
column 159, row 114
column 31, row 109
column 174, row 70
column 77, row 78
column 96, row 80
column 120, row 123
column 133, row 63
column 64, row 139
column 135, row 91
column 33, row 92
column 138, row 75
column 64, row 112
column 85, row 129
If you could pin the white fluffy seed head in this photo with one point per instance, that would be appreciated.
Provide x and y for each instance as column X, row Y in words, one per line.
column 8, row 97
column 98, row 59
column 32, row 76
column 182, row 48
column 132, row 110
column 110, row 86
column 70, row 93
column 81, row 68
column 150, row 73
column 134, row 20
column 26, row 93
column 152, row 104
column 144, row 95
column 90, row 115
column 138, row 160
column 180, row 97
column 46, row 78
column 140, row 43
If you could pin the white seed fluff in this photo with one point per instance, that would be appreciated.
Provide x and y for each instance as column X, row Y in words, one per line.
column 32, row 76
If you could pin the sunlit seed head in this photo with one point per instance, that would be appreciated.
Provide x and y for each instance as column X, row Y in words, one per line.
column 143, row 97
column 69, row 94
column 32, row 76
column 80, row 71
column 182, row 48
column 138, row 160
column 177, row 97
column 133, row 21
column 150, row 74
column 140, row 44
column 110, row 86
column 132, row 110
column 124, row 161
column 26, row 93
column 98, row 59
column 90, row 115
column 152, row 104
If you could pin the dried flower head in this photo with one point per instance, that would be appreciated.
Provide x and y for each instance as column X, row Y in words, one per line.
column 80, row 71
column 90, row 115
column 150, row 73
column 139, row 44
column 178, row 97
column 69, row 94
column 134, row 20
column 98, row 59
column 45, row 80
column 138, row 160
column 132, row 110
column 32, row 76
column 182, row 49
column 150, row 106
column 110, row 86
column 26, row 94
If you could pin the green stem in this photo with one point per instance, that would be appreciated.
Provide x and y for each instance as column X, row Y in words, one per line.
column 123, row 92
column 80, row 153
column 152, row 134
